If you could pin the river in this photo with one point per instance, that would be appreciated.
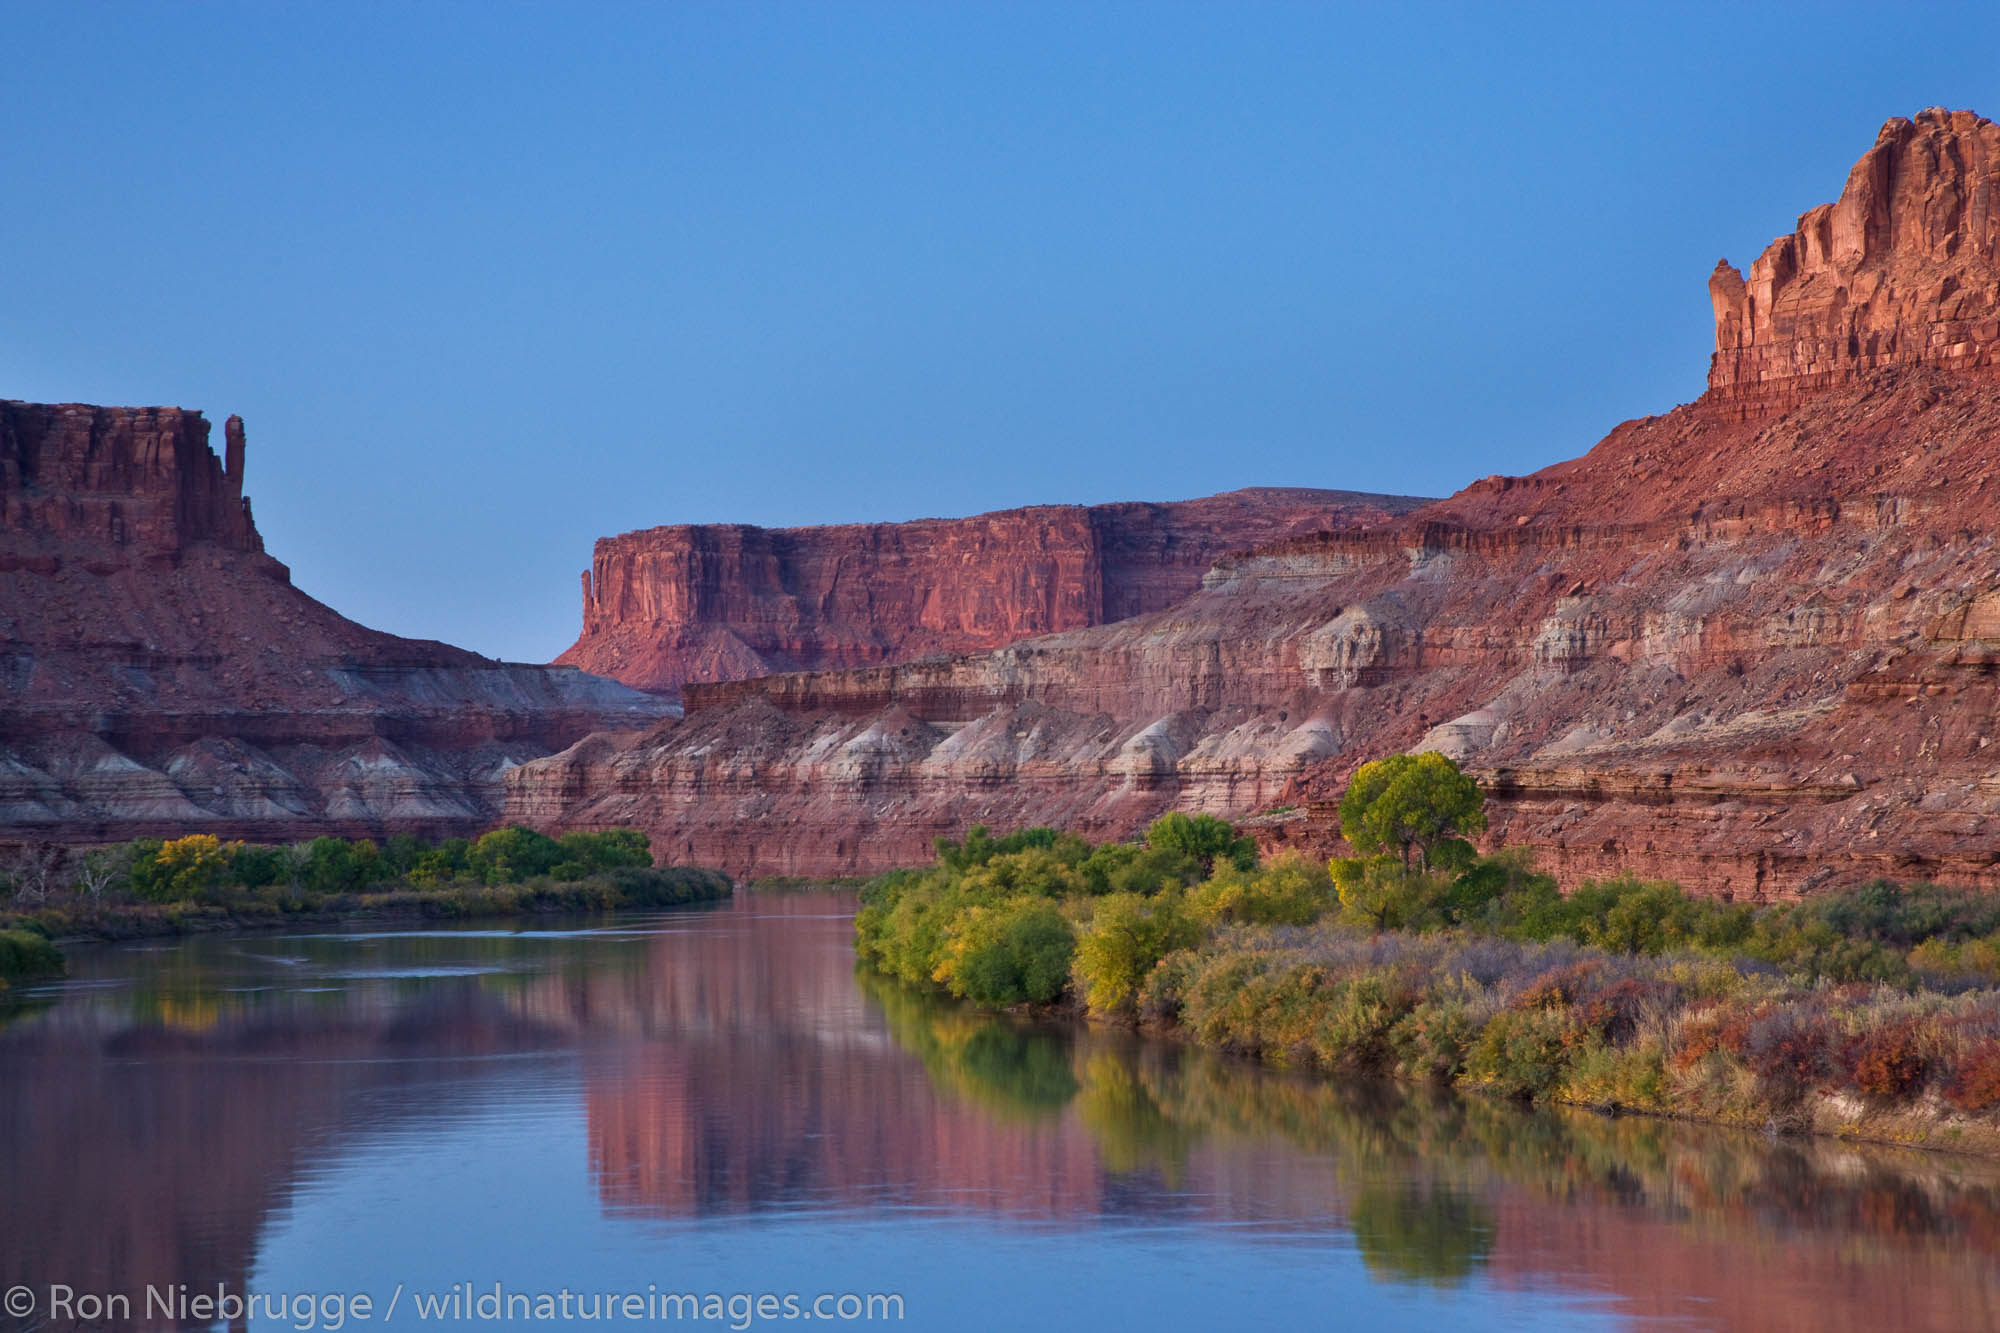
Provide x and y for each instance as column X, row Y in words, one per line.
column 424, row 1127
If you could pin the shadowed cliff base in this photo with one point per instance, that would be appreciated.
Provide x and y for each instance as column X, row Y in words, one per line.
column 1751, row 645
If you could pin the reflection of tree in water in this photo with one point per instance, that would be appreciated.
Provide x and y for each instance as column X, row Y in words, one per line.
column 1422, row 1170
column 1015, row 1070
column 1132, row 1131
column 1411, row 1231
column 1021, row 1068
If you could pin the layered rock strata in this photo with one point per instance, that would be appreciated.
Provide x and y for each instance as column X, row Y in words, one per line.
column 160, row 675
column 1900, row 270
column 666, row 606
column 1753, row 644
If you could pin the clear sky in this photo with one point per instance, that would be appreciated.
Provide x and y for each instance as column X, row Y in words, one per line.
column 489, row 281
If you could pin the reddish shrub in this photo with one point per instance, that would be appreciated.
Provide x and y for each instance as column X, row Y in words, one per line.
column 1613, row 1013
column 1558, row 986
column 1700, row 1036
column 1977, row 1084
column 1889, row 1063
column 1789, row 1049
column 1732, row 1034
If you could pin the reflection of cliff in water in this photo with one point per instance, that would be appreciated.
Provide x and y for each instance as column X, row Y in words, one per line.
column 154, row 1154
column 726, row 1063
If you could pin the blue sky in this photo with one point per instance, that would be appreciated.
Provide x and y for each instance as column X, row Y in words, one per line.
column 490, row 281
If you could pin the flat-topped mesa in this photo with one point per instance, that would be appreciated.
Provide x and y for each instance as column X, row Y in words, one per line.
column 143, row 478
column 160, row 674
column 666, row 606
column 1903, row 270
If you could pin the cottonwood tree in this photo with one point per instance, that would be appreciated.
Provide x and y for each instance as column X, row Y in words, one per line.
column 32, row 867
column 1412, row 803
column 98, row 869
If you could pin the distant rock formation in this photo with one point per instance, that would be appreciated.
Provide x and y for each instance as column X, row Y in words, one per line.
column 1899, row 271
column 718, row 602
column 160, row 675
column 1752, row 645
column 141, row 479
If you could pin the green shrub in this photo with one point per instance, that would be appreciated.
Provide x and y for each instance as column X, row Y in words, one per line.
column 1208, row 841
column 1356, row 1018
column 1013, row 954
column 1432, row 1040
column 1290, row 891
column 1128, row 934
column 1522, row 1052
column 24, row 956
column 510, row 855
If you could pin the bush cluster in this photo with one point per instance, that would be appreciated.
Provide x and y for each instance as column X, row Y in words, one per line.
column 506, row 870
column 1018, row 919
column 1475, row 970
column 1682, row 1034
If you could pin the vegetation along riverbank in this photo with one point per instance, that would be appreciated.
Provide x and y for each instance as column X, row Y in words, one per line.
column 155, row 887
column 1870, row 1012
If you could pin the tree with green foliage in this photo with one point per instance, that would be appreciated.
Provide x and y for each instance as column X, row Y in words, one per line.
column 1010, row 954
column 335, row 865
column 1208, row 840
column 255, row 867
column 512, row 854
column 1412, row 803
column 587, row 854
column 980, row 846
column 1126, row 938
column 1289, row 890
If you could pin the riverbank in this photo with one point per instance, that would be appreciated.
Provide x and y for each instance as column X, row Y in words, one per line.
column 624, row 889
column 199, row 884
column 1866, row 1015
column 1678, row 1036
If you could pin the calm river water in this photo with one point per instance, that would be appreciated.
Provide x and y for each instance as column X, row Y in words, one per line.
column 711, row 1103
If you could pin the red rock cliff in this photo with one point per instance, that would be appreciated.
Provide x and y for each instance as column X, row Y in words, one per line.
column 670, row 605
column 142, row 478
column 1753, row 644
column 160, row 675
column 1900, row 270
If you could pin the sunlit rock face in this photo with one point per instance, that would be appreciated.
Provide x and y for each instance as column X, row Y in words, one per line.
column 1752, row 644
column 1900, row 270
column 159, row 674
column 715, row 602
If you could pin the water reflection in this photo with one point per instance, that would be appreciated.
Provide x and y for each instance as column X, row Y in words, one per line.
column 185, row 1114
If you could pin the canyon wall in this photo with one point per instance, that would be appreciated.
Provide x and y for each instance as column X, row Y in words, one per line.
column 666, row 606
column 1753, row 644
column 160, row 675
column 1898, row 271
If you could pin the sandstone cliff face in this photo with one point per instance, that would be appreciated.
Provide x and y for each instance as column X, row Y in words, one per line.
column 1899, row 271
column 1753, row 644
column 143, row 479
column 671, row 605
column 159, row 674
